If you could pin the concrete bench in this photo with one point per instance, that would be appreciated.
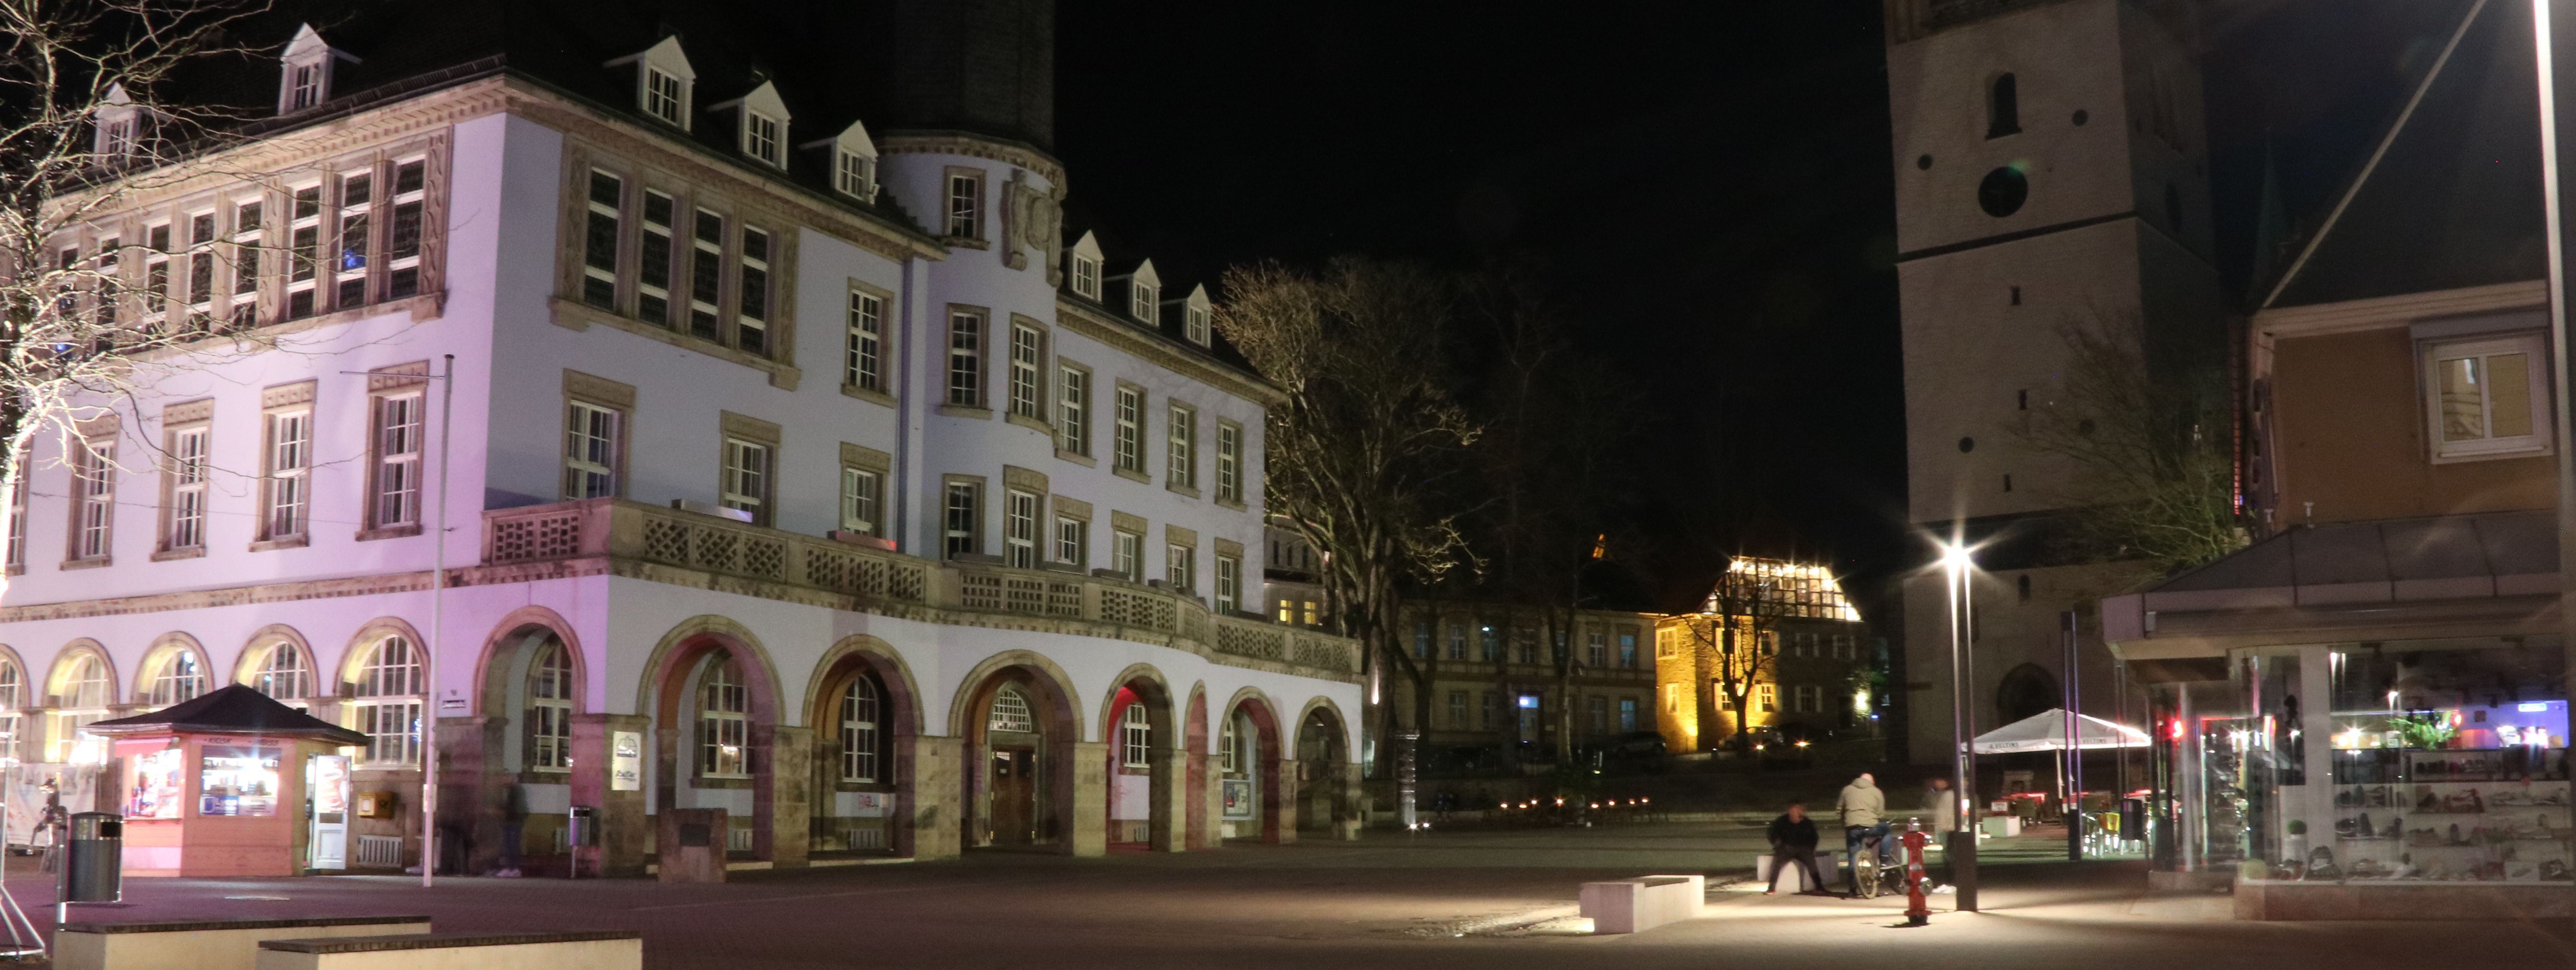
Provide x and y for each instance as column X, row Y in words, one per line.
column 1795, row 880
column 569, row 950
column 213, row 944
column 1637, row 905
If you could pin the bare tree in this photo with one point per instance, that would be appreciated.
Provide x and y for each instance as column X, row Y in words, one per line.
column 2151, row 441
column 1734, row 649
column 1365, row 436
column 89, row 121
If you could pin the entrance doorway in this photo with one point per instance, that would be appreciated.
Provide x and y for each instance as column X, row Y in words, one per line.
column 1015, row 796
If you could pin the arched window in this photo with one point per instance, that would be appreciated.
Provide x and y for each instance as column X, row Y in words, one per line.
column 1225, row 747
column 1136, row 737
column 859, row 731
column 550, row 708
column 176, row 678
column 13, row 697
column 82, row 697
column 724, row 721
column 283, row 674
column 387, row 702
column 1010, row 712
column 2003, row 107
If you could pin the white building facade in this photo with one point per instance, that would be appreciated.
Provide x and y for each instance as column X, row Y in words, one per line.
column 878, row 532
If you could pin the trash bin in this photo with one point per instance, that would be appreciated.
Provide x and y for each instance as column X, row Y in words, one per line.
column 583, row 827
column 94, row 862
column 2133, row 819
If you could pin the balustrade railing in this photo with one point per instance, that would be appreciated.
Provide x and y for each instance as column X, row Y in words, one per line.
column 620, row 529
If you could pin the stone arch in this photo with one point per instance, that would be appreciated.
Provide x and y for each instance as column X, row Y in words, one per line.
column 503, row 740
column 899, row 723
column 664, row 696
column 1274, row 796
column 1021, row 787
column 165, row 649
column 492, row 665
column 1327, row 784
column 1164, row 773
column 57, row 679
column 277, row 636
column 2025, row 691
column 28, row 688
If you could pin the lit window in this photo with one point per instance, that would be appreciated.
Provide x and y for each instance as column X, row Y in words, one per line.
column 1766, row 698
column 283, row 674
column 724, row 721
column 82, row 695
column 176, row 678
column 2489, row 396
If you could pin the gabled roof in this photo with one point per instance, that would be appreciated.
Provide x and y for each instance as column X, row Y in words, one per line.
column 2451, row 198
column 237, row 709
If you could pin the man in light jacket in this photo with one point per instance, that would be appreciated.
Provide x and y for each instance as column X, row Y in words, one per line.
column 1864, row 810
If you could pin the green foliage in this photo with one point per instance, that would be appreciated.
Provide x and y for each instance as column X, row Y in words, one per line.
column 2152, row 447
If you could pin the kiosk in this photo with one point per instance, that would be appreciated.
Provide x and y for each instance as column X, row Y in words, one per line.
column 220, row 785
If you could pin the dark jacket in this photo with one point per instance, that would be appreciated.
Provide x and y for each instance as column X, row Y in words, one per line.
column 1800, row 833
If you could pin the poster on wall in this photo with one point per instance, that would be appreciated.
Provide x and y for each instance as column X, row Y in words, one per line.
column 625, row 761
column 34, row 787
column 1238, row 799
column 158, row 783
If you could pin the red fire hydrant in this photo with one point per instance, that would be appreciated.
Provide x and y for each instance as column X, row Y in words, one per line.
column 1918, row 911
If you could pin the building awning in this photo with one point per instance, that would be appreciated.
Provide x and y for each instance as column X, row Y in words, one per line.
column 2049, row 732
column 238, row 709
column 2452, row 575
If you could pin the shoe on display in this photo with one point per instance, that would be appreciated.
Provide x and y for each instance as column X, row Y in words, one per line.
column 2396, row 828
column 2343, row 826
column 2455, row 834
column 2362, row 829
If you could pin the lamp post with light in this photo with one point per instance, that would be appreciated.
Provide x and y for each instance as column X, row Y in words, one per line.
column 1957, row 564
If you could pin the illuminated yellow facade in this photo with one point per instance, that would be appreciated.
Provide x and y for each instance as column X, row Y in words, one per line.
column 1800, row 657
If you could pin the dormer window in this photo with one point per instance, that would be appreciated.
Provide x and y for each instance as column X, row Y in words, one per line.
column 664, row 82
column 1145, row 295
column 1085, row 257
column 665, row 97
column 1196, row 314
column 760, row 138
column 764, row 124
column 307, row 66
column 120, row 125
column 854, row 161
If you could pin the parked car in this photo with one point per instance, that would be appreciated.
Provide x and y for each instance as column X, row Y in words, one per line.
column 1633, row 750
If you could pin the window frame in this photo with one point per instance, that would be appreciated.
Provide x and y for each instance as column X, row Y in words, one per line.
column 1181, row 447
column 1228, row 595
column 394, row 477
column 93, row 494
column 1072, row 541
column 723, row 720
column 745, row 488
column 863, row 348
column 547, row 747
column 961, row 517
column 1020, row 531
column 859, row 720
column 1127, row 421
column 1135, row 736
column 964, row 214
column 1073, row 408
column 372, row 696
column 186, row 472
column 1028, row 360
column 966, row 357
column 1229, row 462
column 2431, row 354
column 670, row 106
column 862, row 500
column 1180, row 567
column 579, row 435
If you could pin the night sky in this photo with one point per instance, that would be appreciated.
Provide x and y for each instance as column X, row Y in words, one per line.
column 1709, row 181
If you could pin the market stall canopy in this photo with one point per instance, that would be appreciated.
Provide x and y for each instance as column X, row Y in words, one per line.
column 238, row 709
column 2047, row 732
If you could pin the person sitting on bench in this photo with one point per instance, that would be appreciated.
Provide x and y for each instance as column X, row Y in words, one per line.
column 1793, row 839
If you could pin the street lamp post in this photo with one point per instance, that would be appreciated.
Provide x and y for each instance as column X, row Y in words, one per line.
column 1958, row 564
column 2553, row 217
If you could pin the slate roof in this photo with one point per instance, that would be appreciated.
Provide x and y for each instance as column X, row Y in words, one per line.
column 2455, row 199
column 237, row 709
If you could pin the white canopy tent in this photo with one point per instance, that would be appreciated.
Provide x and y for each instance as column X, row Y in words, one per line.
column 2051, row 731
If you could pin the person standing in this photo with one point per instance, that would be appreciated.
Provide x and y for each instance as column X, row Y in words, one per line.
column 1793, row 839
column 1940, row 815
column 1864, row 814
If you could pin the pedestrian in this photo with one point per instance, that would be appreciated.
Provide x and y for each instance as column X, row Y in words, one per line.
column 1940, row 815
column 1864, row 810
column 1793, row 839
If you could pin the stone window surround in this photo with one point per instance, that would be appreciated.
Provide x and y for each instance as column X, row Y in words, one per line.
column 197, row 415
column 1090, row 412
column 982, row 408
column 1045, row 377
column 886, row 348
column 273, row 401
column 600, row 392
column 383, row 382
column 744, row 427
column 1144, row 432
column 102, row 429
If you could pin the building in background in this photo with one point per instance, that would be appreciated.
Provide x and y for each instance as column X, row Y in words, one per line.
column 1774, row 647
column 804, row 474
column 1507, row 680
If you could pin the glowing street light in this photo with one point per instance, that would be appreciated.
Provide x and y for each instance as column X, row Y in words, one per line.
column 1959, row 563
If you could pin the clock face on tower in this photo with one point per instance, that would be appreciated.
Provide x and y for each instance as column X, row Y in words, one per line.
column 2003, row 191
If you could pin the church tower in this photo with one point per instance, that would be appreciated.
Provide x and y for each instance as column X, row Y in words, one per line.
column 2051, row 172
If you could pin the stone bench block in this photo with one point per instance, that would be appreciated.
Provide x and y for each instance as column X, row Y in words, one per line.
column 216, row 944
column 1795, row 880
column 567, row 950
column 1637, row 905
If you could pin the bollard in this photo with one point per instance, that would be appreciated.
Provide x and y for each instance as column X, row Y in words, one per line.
column 1918, row 911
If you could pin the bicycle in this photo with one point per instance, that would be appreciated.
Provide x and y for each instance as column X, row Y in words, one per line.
column 1870, row 879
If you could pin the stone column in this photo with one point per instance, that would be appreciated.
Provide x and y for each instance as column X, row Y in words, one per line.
column 782, row 800
column 1203, row 811
column 473, row 790
column 1346, row 814
column 1169, row 816
column 930, row 808
column 624, row 828
column 1087, row 832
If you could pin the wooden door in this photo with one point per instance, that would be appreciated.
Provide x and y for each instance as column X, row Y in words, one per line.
column 1015, row 796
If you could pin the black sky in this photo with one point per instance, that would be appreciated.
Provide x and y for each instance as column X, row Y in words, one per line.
column 1709, row 181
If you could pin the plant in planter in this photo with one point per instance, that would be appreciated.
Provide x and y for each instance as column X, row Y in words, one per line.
column 2425, row 731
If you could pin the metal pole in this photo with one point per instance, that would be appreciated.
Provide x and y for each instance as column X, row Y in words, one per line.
column 1963, row 838
column 2074, row 742
column 2544, row 43
column 437, row 623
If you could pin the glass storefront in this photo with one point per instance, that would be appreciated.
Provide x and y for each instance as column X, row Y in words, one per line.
column 2422, row 761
